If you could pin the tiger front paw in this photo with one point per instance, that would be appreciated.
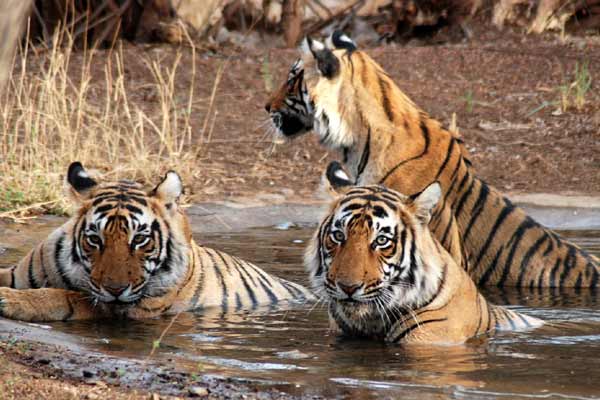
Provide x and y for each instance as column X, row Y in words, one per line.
column 11, row 306
column 46, row 304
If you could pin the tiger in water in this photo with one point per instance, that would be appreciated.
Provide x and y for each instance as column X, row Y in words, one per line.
column 129, row 253
column 385, row 276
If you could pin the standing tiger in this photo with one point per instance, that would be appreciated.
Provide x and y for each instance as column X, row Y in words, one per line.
column 130, row 253
column 386, row 277
column 386, row 139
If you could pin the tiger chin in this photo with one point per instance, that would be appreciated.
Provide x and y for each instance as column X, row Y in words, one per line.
column 127, row 252
column 386, row 277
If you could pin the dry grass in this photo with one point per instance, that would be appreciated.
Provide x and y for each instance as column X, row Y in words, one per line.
column 49, row 118
column 574, row 94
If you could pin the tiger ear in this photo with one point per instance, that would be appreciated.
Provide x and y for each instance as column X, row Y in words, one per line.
column 337, row 181
column 339, row 40
column 423, row 203
column 79, row 182
column 169, row 189
column 327, row 63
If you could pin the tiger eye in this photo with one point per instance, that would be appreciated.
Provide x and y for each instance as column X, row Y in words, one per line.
column 338, row 236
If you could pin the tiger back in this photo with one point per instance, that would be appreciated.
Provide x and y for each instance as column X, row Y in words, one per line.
column 386, row 139
column 127, row 252
column 385, row 276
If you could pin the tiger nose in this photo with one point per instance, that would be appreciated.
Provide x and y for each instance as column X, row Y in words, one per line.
column 349, row 289
column 116, row 289
column 268, row 107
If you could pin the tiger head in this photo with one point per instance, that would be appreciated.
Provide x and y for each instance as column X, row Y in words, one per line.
column 289, row 107
column 127, row 243
column 373, row 257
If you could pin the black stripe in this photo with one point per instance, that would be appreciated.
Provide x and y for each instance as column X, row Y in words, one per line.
column 32, row 283
column 364, row 158
column 490, row 269
column 59, row 267
column 523, row 319
column 425, row 132
column 224, row 300
column 507, row 317
column 419, row 324
column 387, row 106
column 265, row 282
column 199, row 284
column 466, row 194
column 476, row 210
column 249, row 290
column 506, row 211
column 568, row 264
column 530, row 252
column 367, row 197
column 134, row 209
column 77, row 233
column 320, row 249
column 104, row 208
column 449, row 152
column 517, row 236
column 554, row 273
column 12, row 277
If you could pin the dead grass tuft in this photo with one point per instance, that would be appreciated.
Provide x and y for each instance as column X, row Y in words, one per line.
column 49, row 118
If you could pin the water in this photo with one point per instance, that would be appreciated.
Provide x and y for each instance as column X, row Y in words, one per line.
column 292, row 350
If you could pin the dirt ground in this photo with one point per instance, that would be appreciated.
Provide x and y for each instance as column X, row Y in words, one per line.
column 503, row 87
column 43, row 371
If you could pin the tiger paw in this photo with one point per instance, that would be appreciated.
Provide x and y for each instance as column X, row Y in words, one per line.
column 10, row 305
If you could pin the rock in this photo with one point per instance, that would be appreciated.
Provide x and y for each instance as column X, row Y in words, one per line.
column 198, row 391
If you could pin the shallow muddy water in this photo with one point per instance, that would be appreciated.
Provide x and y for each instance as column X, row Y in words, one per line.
column 291, row 349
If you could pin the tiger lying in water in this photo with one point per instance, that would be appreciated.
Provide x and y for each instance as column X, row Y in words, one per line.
column 129, row 253
column 385, row 275
column 355, row 107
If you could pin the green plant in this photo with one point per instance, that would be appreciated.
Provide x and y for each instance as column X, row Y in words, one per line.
column 469, row 101
column 574, row 93
column 265, row 72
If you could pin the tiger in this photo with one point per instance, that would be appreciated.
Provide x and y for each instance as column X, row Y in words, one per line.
column 386, row 139
column 386, row 277
column 129, row 253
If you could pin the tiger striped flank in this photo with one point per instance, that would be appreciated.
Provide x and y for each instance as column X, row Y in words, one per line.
column 129, row 253
column 386, row 277
column 386, row 139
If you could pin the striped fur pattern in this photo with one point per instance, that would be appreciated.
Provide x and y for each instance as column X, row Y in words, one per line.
column 386, row 139
column 129, row 253
column 384, row 275
column 289, row 107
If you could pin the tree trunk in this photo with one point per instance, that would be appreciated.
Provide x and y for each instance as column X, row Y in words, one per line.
column 293, row 14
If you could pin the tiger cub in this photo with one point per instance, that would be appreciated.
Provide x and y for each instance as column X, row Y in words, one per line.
column 130, row 253
column 385, row 276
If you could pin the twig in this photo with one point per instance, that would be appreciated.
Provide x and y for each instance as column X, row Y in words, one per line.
column 9, row 213
column 321, row 24
column 156, row 343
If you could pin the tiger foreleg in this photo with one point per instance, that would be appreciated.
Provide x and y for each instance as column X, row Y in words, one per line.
column 46, row 304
